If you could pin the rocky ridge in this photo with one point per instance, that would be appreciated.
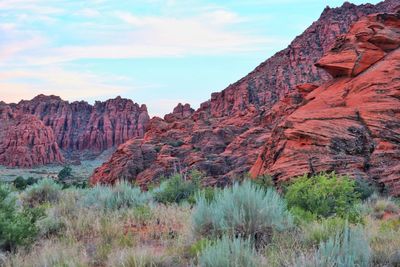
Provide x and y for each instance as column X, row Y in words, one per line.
column 351, row 124
column 224, row 137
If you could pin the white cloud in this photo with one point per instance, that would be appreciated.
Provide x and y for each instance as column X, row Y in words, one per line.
column 211, row 33
column 88, row 12
column 208, row 33
column 36, row 6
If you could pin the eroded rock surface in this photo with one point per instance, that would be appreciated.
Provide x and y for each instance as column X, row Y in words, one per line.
column 25, row 141
column 350, row 125
column 225, row 135
column 81, row 129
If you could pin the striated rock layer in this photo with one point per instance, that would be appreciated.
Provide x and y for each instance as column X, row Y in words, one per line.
column 224, row 137
column 350, row 125
column 79, row 129
column 25, row 141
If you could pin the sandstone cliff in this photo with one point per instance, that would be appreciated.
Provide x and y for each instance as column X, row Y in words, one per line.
column 350, row 125
column 79, row 129
column 225, row 135
column 25, row 141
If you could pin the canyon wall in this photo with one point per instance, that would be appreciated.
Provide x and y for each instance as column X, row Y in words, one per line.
column 351, row 124
column 224, row 137
column 78, row 128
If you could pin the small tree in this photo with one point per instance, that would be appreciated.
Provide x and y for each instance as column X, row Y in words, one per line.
column 324, row 195
column 66, row 172
column 177, row 188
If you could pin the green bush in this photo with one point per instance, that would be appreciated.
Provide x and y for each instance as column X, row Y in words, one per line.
column 46, row 190
column 176, row 189
column 364, row 188
column 20, row 183
column 122, row 195
column 229, row 252
column 196, row 248
column 208, row 192
column 66, row 172
column 349, row 248
column 17, row 226
column 244, row 210
column 325, row 195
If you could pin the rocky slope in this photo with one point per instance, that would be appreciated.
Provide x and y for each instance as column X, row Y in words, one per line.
column 25, row 141
column 350, row 125
column 79, row 129
column 225, row 135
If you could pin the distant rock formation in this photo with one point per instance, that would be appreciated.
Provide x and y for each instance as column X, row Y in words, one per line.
column 80, row 129
column 25, row 141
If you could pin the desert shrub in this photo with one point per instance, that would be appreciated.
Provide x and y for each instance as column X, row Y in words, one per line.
column 176, row 189
column 382, row 206
column 319, row 231
column 244, row 210
column 264, row 181
column 122, row 195
column 196, row 248
column 66, row 172
column 284, row 247
column 20, row 183
column 391, row 225
column 349, row 248
column 325, row 195
column 142, row 213
column 208, row 192
column 364, row 188
column 17, row 226
column 51, row 224
column 229, row 252
column 50, row 253
column 45, row 190
column 384, row 239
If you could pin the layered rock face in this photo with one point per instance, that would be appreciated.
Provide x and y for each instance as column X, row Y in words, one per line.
column 80, row 126
column 25, row 141
column 220, row 147
column 81, row 129
column 350, row 125
column 278, row 75
column 225, row 135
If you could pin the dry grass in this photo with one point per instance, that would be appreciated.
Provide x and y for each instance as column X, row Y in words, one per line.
column 91, row 237
column 161, row 235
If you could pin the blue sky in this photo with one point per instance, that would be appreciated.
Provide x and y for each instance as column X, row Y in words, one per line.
column 157, row 52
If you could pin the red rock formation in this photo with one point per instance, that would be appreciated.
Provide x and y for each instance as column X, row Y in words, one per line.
column 278, row 75
column 225, row 135
column 79, row 126
column 25, row 141
column 350, row 125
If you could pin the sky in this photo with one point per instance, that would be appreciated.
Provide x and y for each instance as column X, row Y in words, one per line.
column 155, row 52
